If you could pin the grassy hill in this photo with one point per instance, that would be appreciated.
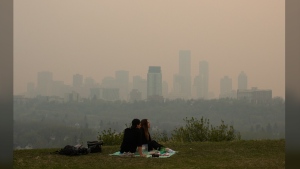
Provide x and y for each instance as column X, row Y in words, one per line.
column 236, row 154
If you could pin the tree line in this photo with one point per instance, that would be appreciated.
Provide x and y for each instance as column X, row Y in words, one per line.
column 50, row 124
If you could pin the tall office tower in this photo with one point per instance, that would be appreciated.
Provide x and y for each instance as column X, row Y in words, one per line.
column 141, row 85
column 77, row 80
column 197, row 88
column 154, row 83
column 203, row 73
column 225, row 87
column 185, row 73
column 178, row 91
column 122, row 82
column 201, row 81
column 44, row 83
column 108, row 82
column 89, row 82
column 242, row 81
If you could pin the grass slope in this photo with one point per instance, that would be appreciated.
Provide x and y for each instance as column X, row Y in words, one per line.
column 236, row 154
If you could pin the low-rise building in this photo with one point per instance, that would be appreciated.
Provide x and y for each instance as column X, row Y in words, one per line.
column 255, row 95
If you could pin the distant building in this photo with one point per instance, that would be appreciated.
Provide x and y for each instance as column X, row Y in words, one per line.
column 201, row 81
column 226, row 88
column 41, row 99
column 197, row 89
column 154, row 83
column 77, row 80
column 141, row 85
column 110, row 94
column 204, row 77
column 72, row 97
column 135, row 95
column 108, row 82
column 255, row 95
column 20, row 99
column 95, row 93
column 185, row 73
column 122, row 82
column 44, row 83
column 178, row 88
column 55, row 99
column 89, row 82
column 242, row 81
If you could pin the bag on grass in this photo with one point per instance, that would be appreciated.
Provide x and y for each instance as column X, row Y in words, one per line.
column 95, row 146
column 81, row 150
column 68, row 150
column 73, row 150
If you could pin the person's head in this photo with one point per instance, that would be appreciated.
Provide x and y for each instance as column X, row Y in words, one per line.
column 145, row 123
column 136, row 123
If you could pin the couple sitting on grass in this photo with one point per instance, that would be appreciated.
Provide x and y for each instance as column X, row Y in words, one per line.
column 138, row 135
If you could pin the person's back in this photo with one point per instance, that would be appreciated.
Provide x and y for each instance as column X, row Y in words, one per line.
column 144, row 137
column 131, row 140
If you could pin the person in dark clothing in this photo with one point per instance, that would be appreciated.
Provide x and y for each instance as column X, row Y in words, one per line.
column 132, row 138
column 146, row 138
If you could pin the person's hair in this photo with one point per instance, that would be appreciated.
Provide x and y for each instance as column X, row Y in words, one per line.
column 144, row 124
column 135, row 122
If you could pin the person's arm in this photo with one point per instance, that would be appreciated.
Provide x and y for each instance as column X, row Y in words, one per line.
column 139, row 143
column 141, row 152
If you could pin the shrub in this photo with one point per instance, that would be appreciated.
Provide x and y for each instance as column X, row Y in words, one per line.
column 201, row 130
column 159, row 136
column 194, row 131
column 111, row 137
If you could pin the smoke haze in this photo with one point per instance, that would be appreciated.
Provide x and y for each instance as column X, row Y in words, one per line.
column 97, row 38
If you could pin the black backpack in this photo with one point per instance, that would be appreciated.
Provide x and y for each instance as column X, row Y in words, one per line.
column 73, row 151
column 68, row 150
column 95, row 146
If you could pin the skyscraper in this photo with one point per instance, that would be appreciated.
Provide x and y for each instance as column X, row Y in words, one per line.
column 201, row 81
column 225, row 87
column 178, row 91
column 242, row 81
column 89, row 82
column 154, row 83
column 77, row 80
column 122, row 82
column 182, row 88
column 44, row 83
column 185, row 62
column 108, row 82
column 141, row 85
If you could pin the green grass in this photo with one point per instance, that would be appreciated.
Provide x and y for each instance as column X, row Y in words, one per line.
column 236, row 154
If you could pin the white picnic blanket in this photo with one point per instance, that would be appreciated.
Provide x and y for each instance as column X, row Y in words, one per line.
column 164, row 155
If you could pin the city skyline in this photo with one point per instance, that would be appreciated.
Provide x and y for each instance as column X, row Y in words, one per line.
column 45, row 80
column 103, row 37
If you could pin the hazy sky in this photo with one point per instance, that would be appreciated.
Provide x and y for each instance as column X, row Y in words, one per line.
column 95, row 38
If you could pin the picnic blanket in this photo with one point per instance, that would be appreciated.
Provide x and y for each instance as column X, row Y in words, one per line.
column 164, row 155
